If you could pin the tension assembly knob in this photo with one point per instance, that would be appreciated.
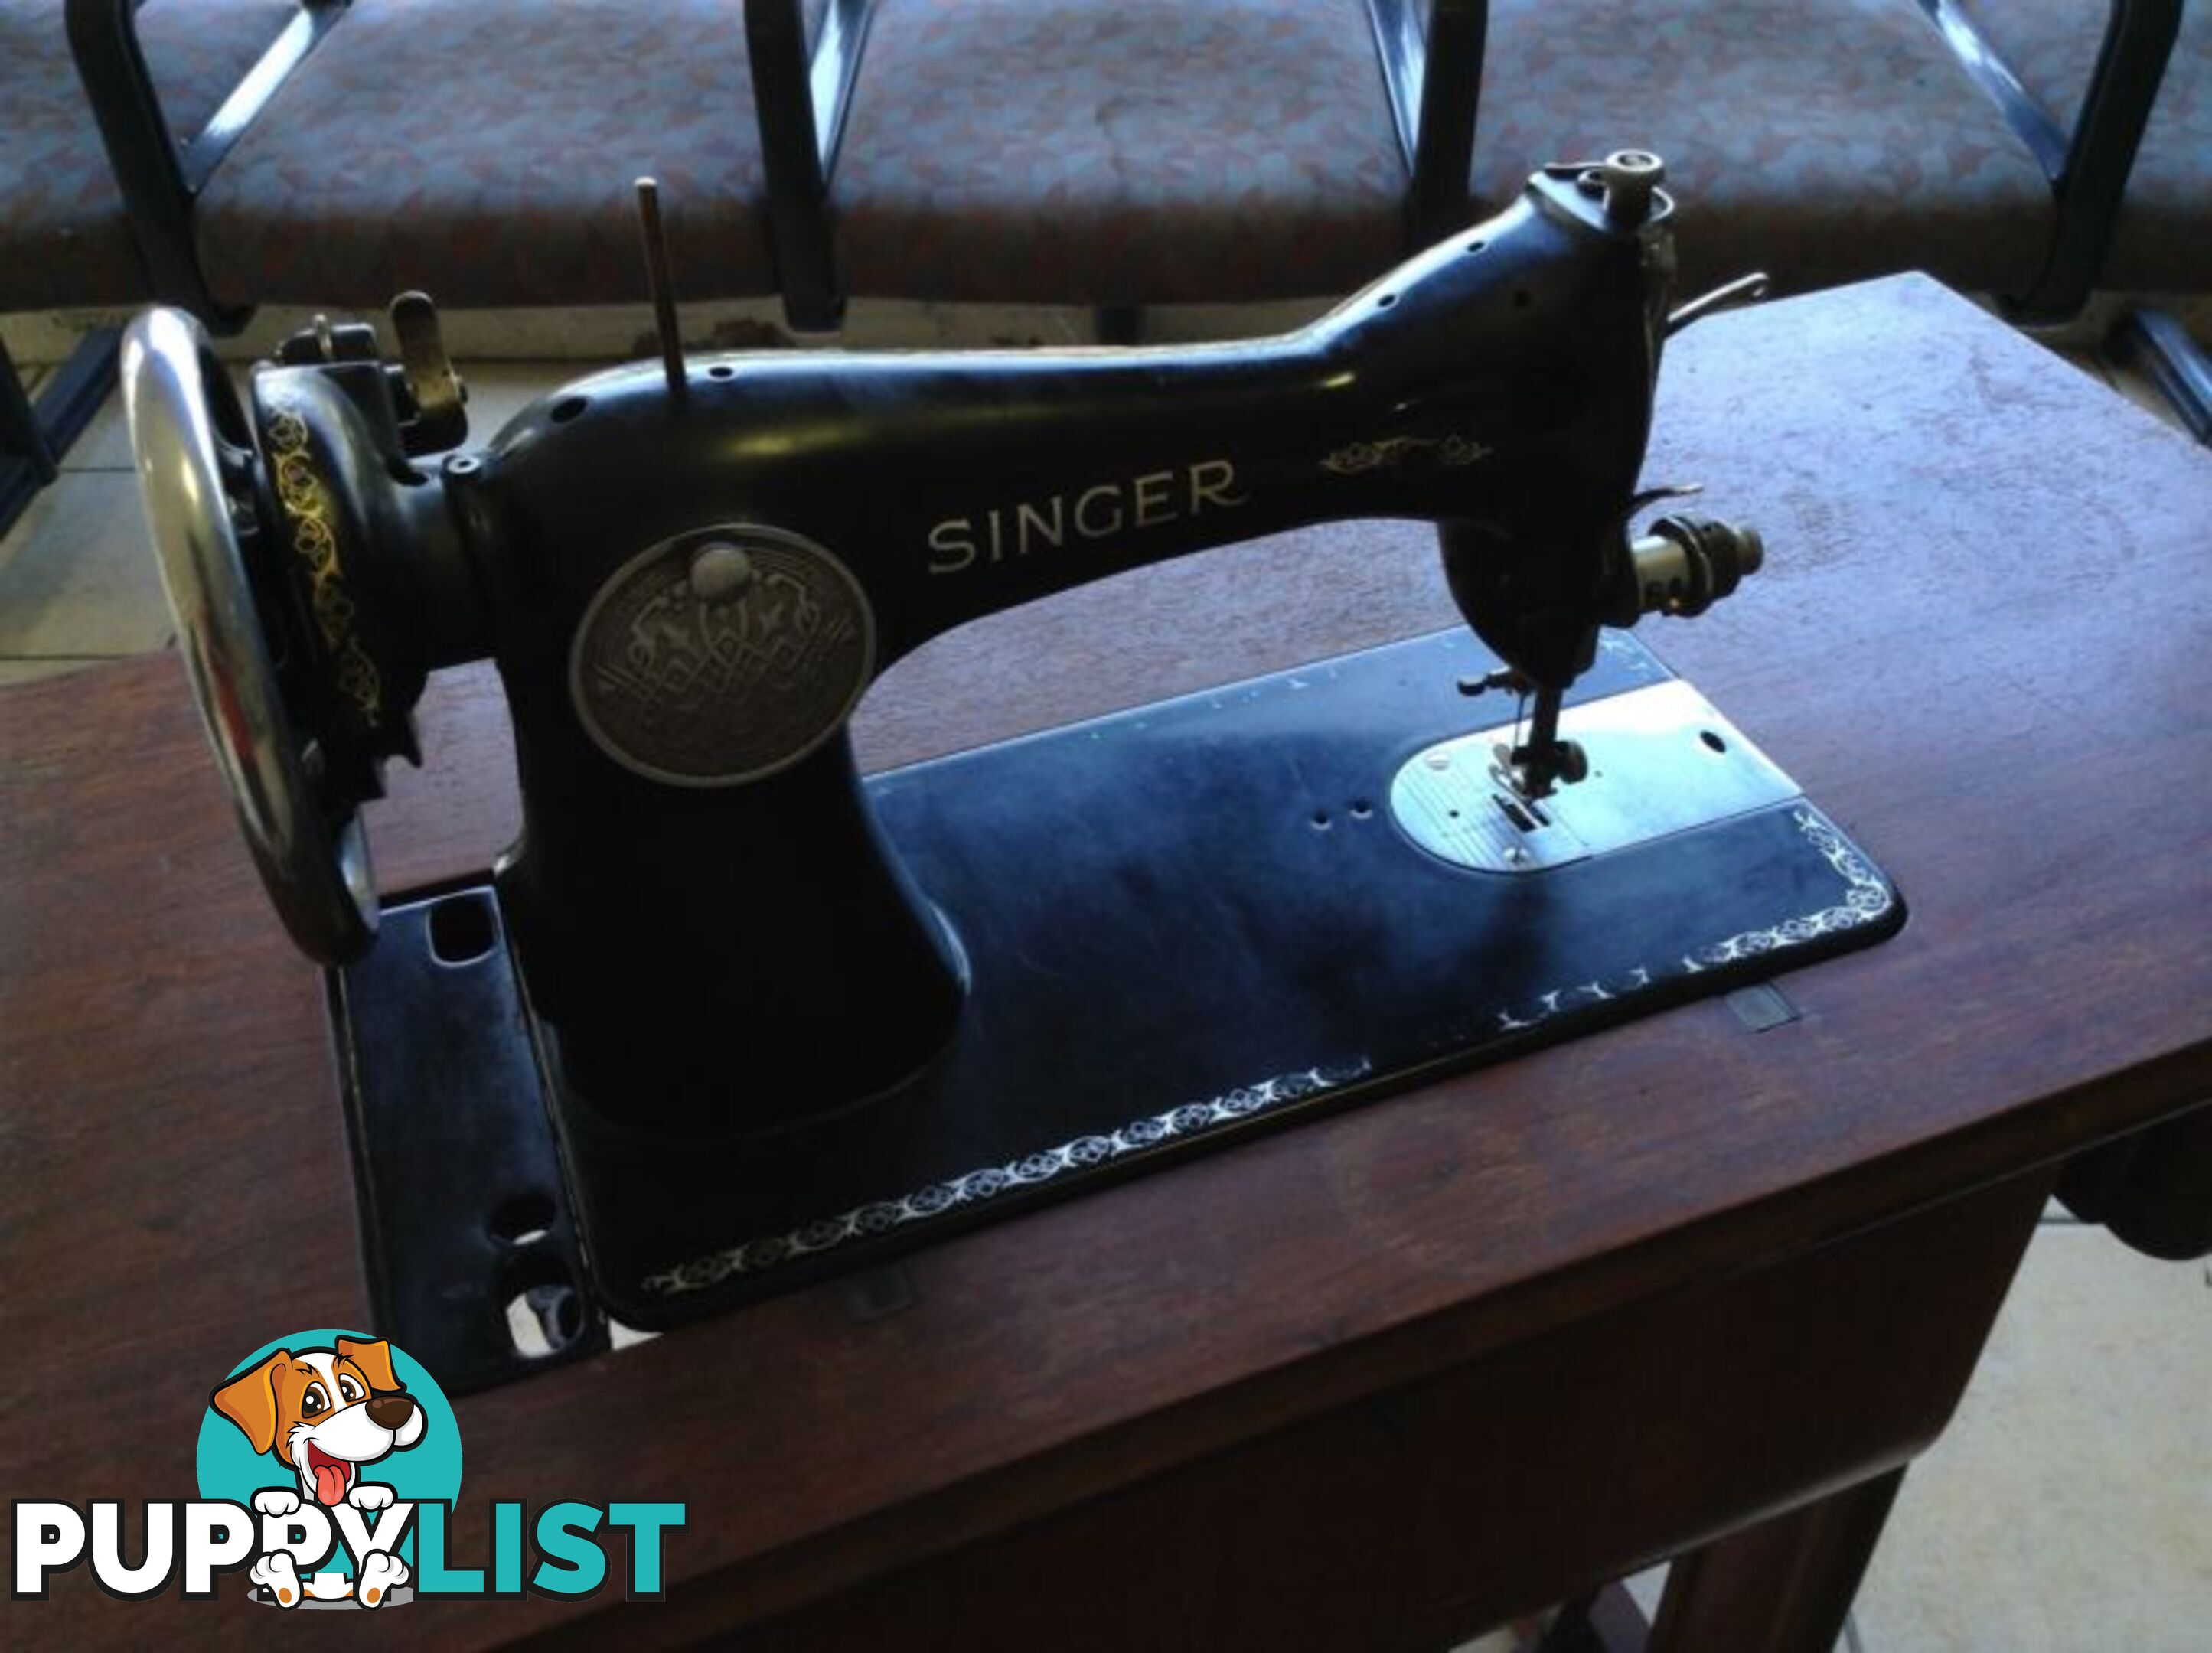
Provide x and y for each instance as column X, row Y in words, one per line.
column 1686, row 564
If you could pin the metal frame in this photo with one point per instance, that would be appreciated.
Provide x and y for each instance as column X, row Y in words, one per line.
column 2088, row 166
column 2161, row 348
column 801, row 95
column 160, row 178
column 1434, row 78
column 21, row 436
column 27, row 460
column 35, row 433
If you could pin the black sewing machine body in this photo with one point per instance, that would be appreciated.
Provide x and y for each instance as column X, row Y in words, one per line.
column 948, row 486
column 688, row 576
column 1501, row 382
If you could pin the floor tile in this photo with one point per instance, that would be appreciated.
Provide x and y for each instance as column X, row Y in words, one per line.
column 76, row 575
column 15, row 671
column 1497, row 1641
column 1648, row 1588
column 2086, row 358
column 2139, row 388
column 2069, row 1503
column 103, row 444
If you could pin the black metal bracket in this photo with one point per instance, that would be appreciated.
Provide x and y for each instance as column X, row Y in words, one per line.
column 35, row 434
column 22, row 437
column 2158, row 345
column 465, row 1223
column 160, row 178
column 1434, row 77
column 802, row 91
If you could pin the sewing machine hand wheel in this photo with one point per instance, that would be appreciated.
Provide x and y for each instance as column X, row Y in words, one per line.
column 202, row 483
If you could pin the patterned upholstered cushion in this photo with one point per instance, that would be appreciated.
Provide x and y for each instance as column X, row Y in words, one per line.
column 1117, row 151
column 64, row 237
column 2163, row 241
column 1820, row 140
column 484, row 150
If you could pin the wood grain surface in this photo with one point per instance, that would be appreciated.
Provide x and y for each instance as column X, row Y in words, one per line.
column 1979, row 644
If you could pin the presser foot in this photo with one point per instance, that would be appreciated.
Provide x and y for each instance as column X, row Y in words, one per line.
column 1533, row 767
column 1538, row 766
column 1232, row 911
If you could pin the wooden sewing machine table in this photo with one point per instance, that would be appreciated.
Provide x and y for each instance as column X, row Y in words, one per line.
column 1375, row 1381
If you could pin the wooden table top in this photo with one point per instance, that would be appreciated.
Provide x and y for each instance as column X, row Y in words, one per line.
column 1979, row 645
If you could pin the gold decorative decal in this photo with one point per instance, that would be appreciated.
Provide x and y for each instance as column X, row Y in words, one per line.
column 768, row 1251
column 307, row 507
column 1449, row 452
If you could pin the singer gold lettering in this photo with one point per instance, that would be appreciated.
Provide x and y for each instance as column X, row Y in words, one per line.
column 1103, row 511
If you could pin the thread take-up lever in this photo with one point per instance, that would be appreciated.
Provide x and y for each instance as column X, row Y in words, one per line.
column 440, row 418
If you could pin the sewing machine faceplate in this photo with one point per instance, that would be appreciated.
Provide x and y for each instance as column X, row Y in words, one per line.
column 1180, row 924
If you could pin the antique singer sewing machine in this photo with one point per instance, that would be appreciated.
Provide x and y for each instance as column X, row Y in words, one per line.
column 728, row 1016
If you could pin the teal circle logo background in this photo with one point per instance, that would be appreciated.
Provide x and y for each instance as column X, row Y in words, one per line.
column 229, row 1467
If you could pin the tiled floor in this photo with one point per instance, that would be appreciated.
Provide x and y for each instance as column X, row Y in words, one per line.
column 2068, row 1508
column 2069, row 1505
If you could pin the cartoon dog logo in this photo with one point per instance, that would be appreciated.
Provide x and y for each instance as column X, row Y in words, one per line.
column 324, row 1414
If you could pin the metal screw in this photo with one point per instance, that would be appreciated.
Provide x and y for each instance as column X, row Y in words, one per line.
column 1629, row 178
column 721, row 571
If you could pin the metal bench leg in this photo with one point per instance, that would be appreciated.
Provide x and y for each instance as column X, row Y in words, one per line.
column 2161, row 346
column 34, row 436
column 21, row 438
column 27, row 464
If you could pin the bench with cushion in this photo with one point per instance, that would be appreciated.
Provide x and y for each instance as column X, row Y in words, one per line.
column 485, row 151
column 1142, row 153
column 2162, row 235
column 66, row 238
column 2152, row 231
column 1823, row 141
